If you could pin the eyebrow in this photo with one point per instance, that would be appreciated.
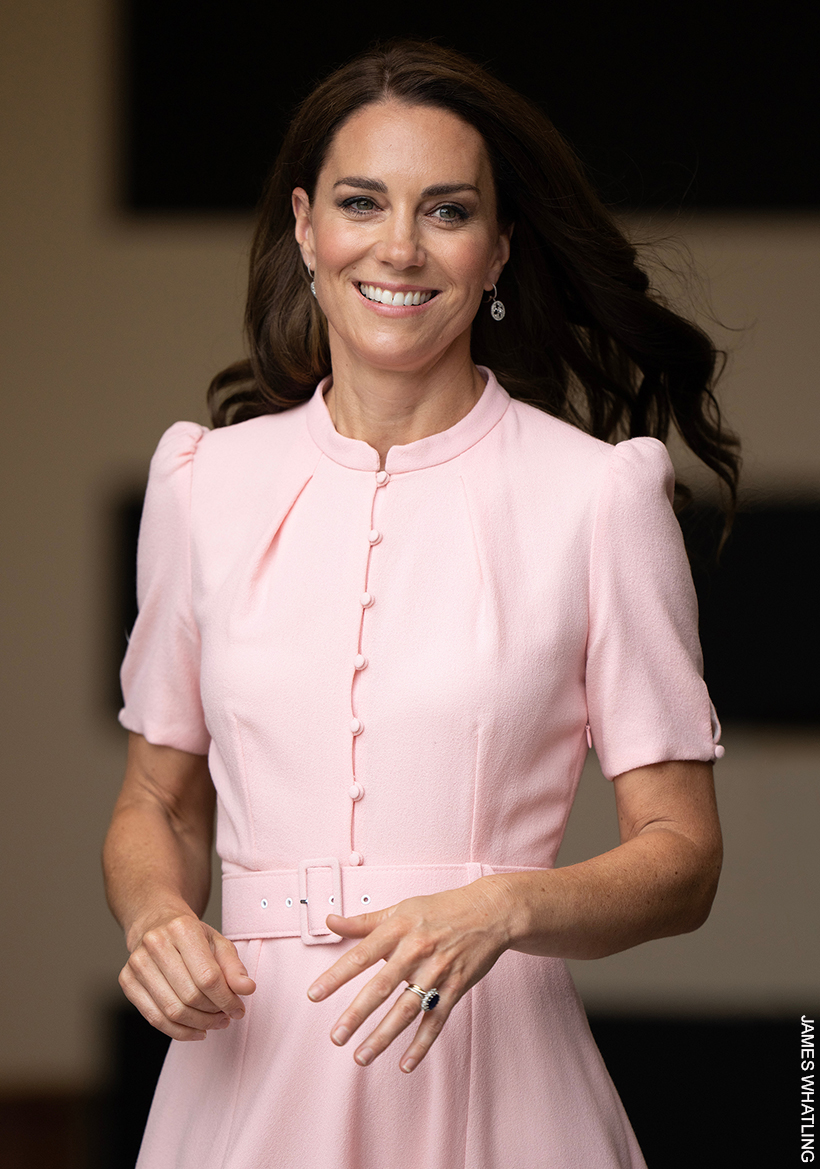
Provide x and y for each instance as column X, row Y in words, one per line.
column 377, row 185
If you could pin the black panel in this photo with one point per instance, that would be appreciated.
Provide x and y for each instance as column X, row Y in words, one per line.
column 711, row 1093
column 699, row 104
column 126, row 514
column 759, row 613
column 136, row 1054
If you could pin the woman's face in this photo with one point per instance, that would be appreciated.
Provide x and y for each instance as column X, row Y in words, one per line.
column 402, row 236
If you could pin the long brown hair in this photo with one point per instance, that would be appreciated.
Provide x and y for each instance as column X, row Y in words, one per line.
column 583, row 338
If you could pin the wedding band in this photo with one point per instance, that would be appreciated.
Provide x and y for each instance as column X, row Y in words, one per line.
column 429, row 998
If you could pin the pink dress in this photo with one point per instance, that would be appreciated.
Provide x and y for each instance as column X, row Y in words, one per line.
column 395, row 676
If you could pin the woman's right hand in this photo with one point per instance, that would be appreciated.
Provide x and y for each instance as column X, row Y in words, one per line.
column 185, row 978
column 182, row 975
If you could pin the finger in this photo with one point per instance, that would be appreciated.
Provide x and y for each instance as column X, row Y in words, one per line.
column 359, row 926
column 352, row 963
column 404, row 964
column 196, row 953
column 178, row 1007
column 158, row 963
column 404, row 1011
column 232, row 966
column 176, row 1028
column 428, row 1031
column 379, row 988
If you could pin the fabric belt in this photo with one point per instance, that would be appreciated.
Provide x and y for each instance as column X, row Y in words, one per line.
column 293, row 903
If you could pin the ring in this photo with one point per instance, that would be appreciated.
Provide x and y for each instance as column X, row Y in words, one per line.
column 429, row 998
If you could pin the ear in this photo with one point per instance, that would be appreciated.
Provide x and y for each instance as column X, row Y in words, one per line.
column 502, row 254
column 303, row 230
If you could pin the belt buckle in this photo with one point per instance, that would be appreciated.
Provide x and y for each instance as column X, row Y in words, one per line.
column 324, row 862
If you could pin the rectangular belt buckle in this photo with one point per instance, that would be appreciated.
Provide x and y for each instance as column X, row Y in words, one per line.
column 335, row 906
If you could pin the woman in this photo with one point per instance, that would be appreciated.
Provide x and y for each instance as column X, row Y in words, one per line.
column 393, row 610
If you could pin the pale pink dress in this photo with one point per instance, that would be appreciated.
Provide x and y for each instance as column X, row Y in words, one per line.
column 511, row 586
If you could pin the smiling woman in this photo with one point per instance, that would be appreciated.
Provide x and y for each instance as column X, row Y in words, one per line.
column 394, row 603
column 426, row 240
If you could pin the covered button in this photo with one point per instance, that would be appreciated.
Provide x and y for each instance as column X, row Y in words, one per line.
column 356, row 726
column 355, row 858
column 367, row 600
column 355, row 791
column 719, row 751
column 374, row 536
column 360, row 661
column 382, row 477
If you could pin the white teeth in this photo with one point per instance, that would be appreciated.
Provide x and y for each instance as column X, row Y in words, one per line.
column 394, row 299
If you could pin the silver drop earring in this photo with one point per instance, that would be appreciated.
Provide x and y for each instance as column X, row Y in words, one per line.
column 497, row 308
column 312, row 283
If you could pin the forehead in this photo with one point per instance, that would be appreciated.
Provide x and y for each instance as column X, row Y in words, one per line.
column 396, row 139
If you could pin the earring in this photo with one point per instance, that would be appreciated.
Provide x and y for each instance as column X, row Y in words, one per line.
column 497, row 309
column 312, row 283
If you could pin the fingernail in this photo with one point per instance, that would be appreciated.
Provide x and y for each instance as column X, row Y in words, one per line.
column 340, row 1035
column 239, row 1013
column 409, row 1064
column 364, row 1056
column 316, row 992
column 221, row 1024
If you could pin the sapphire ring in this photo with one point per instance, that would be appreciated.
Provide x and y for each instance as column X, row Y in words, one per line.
column 429, row 998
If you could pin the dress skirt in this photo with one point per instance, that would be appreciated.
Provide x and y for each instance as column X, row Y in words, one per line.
column 514, row 1081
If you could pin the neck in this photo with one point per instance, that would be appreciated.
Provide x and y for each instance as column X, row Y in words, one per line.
column 386, row 408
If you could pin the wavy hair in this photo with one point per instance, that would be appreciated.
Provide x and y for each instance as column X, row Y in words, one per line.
column 584, row 338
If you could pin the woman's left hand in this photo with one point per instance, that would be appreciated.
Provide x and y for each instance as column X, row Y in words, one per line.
column 447, row 941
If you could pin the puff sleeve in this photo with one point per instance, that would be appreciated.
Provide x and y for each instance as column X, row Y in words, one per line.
column 646, row 697
column 160, row 673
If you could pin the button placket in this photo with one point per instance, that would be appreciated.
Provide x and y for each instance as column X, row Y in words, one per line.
column 367, row 600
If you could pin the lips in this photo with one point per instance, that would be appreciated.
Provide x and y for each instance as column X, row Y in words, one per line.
column 395, row 299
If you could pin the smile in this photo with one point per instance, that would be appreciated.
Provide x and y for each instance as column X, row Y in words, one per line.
column 396, row 299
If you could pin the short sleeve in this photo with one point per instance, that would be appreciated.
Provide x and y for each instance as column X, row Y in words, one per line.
column 160, row 673
column 646, row 697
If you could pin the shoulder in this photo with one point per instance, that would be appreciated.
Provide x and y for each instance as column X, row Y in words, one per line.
column 638, row 490
column 643, row 465
column 231, row 453
column 536, row 432
column 636, row 463
column 243, row 475
column 235, row 449
column 177, row 448
column 634, row 511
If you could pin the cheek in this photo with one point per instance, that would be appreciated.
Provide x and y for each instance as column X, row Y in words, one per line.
column 470, row 261
column 337, row 244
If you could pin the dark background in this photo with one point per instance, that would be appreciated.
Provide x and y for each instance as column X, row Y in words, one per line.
column 697, row 104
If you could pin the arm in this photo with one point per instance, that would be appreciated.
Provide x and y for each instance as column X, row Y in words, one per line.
column 182, row 975
column 659, row 881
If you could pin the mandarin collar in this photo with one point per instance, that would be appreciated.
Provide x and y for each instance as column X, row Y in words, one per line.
column 413, row 456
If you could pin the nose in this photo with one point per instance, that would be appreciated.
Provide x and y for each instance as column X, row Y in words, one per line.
column 399, row 243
